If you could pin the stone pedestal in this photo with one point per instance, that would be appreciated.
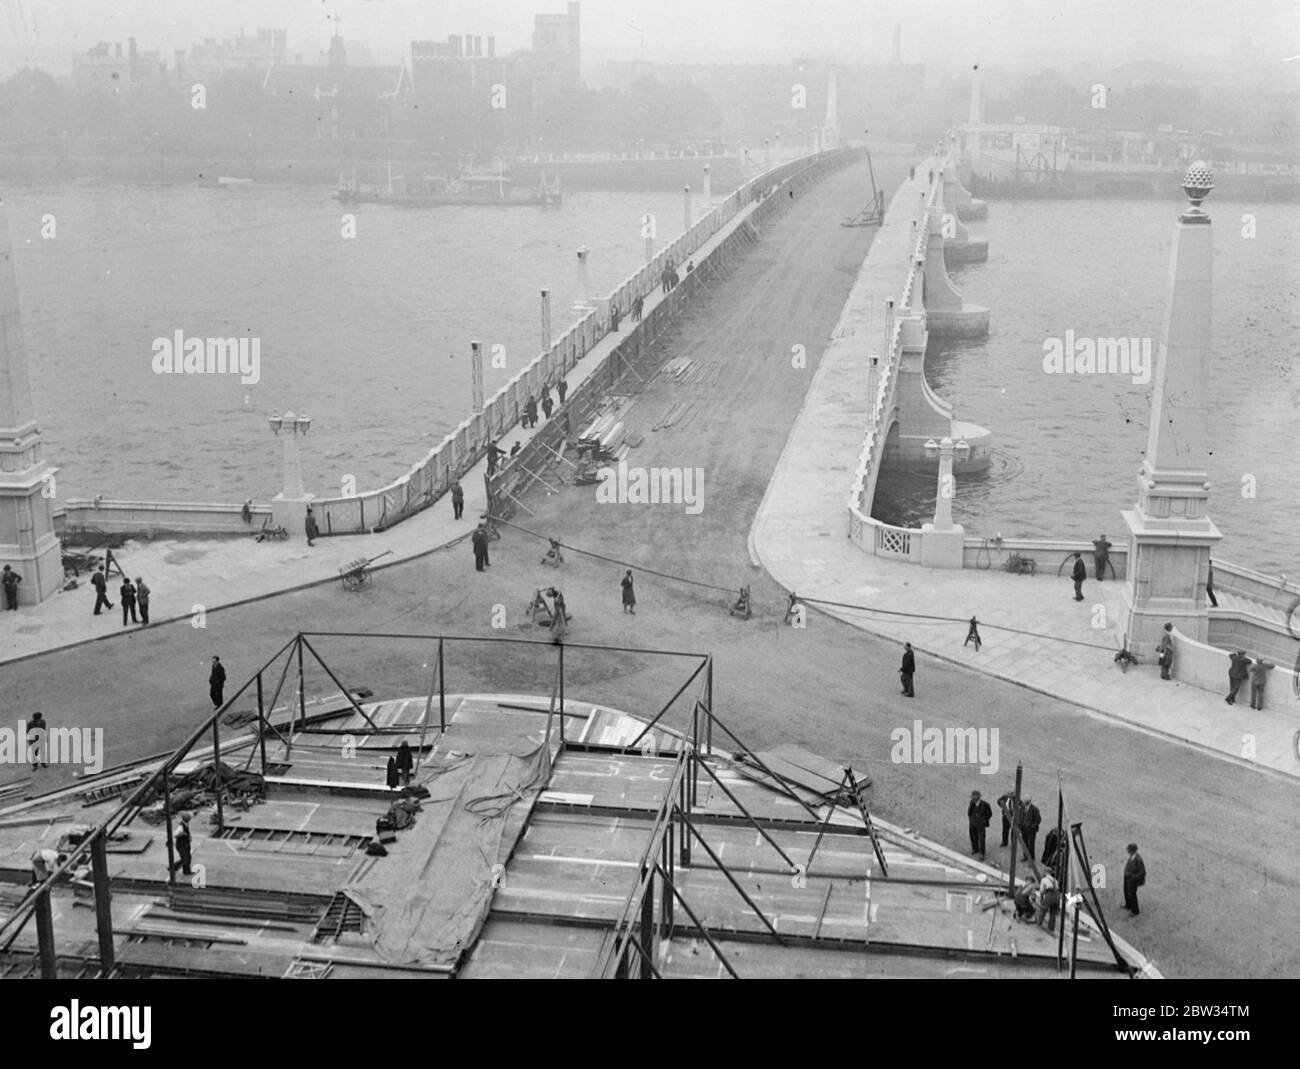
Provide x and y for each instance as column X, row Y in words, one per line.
column 290, row 512
column 942, row 549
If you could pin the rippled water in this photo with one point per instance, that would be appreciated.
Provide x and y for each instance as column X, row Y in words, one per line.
column 369, row 336
column 1067, row 447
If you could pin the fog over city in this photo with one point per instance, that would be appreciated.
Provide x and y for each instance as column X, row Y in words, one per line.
column 1021, row 35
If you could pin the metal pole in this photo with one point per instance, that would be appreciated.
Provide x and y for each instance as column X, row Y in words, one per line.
column 216, row 768
column 45, row 937
column 261, row 722
column 302, row 687
column 561, row 691
column 167, row 817
column 647, row 925
column 1015, row 833
column 476, row 369
column 708, row 689
column 686, row 209
column 547, row 339
column 103, row 902
column 442, row 692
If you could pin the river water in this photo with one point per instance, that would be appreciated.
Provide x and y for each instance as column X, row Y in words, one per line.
column 368, row 335
column 1067, row 447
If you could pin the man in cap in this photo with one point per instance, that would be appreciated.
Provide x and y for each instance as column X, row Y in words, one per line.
column 1238, row 673
column 979, row 813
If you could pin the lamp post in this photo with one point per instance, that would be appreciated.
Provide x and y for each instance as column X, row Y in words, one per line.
column 290, row 504
column 945, row 451
column 583, row 303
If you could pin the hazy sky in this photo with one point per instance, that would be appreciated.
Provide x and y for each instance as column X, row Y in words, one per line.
column 945, row 34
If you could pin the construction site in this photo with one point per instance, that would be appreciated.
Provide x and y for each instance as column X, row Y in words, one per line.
column 536, row 833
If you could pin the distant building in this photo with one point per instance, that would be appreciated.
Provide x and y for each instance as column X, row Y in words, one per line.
column 241, row 53
column 557, row 47
column 113, row 68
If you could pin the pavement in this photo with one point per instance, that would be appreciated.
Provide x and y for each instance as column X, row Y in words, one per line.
column 1034, row 633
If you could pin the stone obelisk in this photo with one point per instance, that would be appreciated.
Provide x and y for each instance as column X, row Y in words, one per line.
column 28, row 543
column 1170, row 534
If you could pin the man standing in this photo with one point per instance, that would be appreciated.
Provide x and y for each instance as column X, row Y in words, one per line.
column 973, row 635
column 629, row 595
column 1135, row 875
column 1006, row 803
column 101, row 587
column 457, row 501
column 562, row 388
column 547, row 404
column 1258, row 677
column 979, row 813
column 530, row 412
column 1079, row 574
column 1238, row 673
column 142, row 599
column 9, row 580
column 1166, row 651
column 217, row 683
column 313, row 532
column 183, row 847
column 38, row 734
column 908, row 669
column 479, row 541
column 1209, row 587
column 494, row 454
column 1030, row 819
column 1101, row 556
column 127, row 592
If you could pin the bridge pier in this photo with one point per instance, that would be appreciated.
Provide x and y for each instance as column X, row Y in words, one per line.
column 958, row 245
column 947, row 315
column 964, row 206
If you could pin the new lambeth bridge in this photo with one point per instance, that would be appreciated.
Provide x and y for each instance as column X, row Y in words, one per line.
column 813, row 552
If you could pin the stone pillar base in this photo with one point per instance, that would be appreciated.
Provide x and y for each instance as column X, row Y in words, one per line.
column 969, row 321
column 41, row 570
column 942, row 549
column 291, row 513
column 974, row 251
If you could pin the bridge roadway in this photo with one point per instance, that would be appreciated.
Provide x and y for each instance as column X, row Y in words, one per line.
column 1221, row 891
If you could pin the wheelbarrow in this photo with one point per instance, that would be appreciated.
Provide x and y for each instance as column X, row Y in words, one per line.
column 353, row 576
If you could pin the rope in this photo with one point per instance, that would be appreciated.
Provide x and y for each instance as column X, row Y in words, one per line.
column 954, row 620
column 615, row 560
column 812, row 601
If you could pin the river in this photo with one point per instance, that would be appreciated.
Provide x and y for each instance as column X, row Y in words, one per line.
column 369, row 335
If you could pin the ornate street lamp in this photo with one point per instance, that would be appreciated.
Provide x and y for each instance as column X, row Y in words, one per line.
column 944, row 451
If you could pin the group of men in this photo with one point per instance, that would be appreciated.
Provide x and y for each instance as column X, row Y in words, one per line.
column 133, row 596
column 1240, row 669
column 1041, row 899
column 1023, row 816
